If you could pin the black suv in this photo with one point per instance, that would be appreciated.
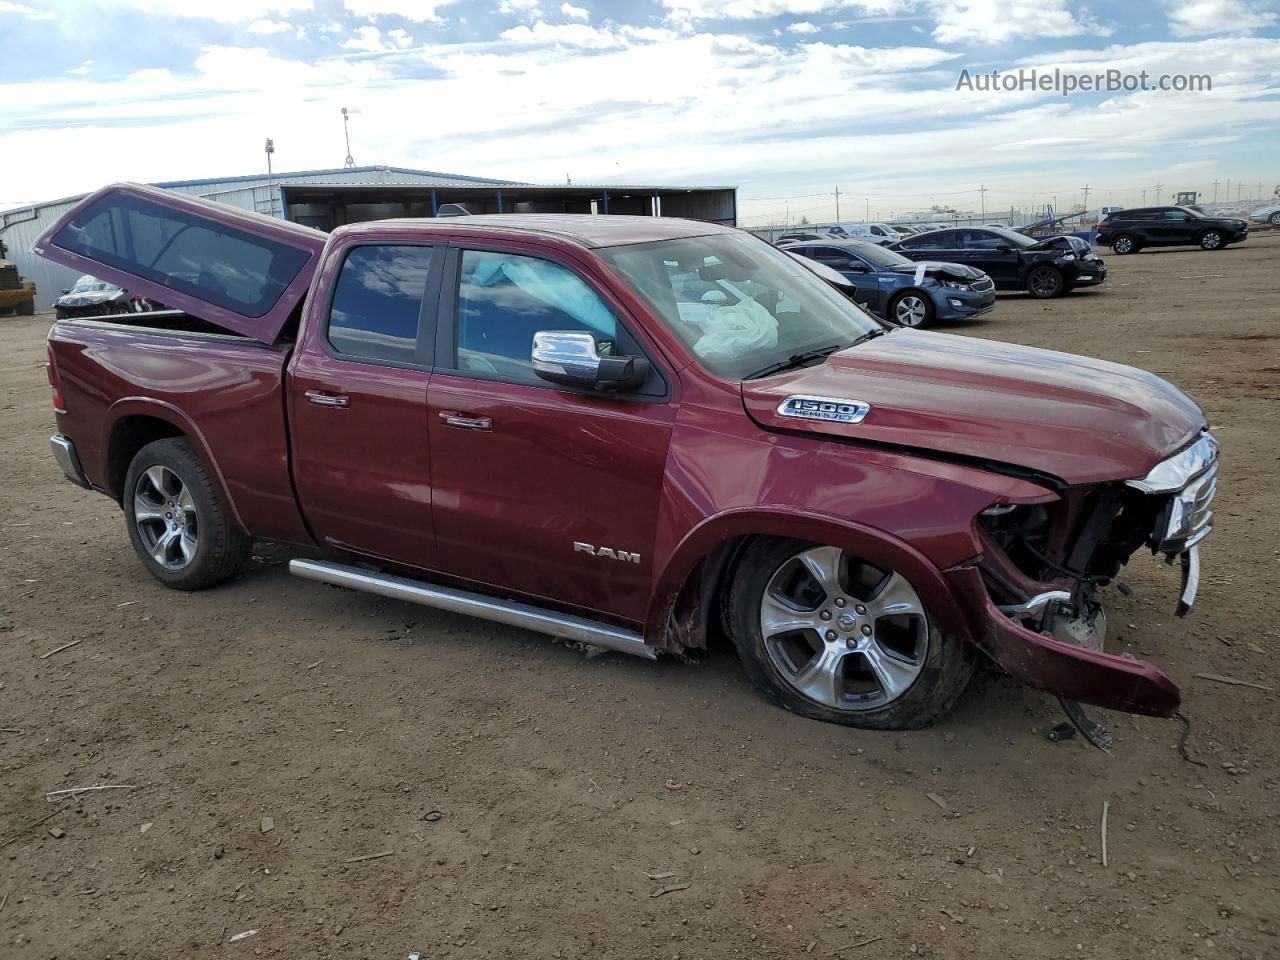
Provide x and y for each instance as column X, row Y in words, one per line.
column 1128, row 231
column 1044, row 268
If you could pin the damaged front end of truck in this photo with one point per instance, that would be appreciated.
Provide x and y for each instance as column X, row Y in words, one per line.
column 1042, row 566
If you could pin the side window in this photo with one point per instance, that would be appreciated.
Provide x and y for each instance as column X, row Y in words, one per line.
column 377, row 302
column 504, row 299
column 978, row 240
column 940, row 240
column 833, row 257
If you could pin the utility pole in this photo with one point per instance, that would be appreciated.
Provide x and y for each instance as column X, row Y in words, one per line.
column 1156, row 195
column 1228, row 193
column 1144, row 197
column 868, row 208
column 1215, row 191
column 837, row 203
column 982, row 199
column 346, row 132
column 1086, row 188
column 1239, row 192
column 271, row 189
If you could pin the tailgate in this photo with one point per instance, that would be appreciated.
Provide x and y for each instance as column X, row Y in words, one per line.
column 240, row 270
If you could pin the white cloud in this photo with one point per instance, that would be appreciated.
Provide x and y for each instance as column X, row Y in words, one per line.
column 803, row 26
column 695, row 10
column 994, row 21
column 577, row 13
column 1201, row 18
column 372, row 40
column 268, row 26
column 81, row 70
column 420, row 11
column 525, row 9
column 22, row 10
column 225, row 11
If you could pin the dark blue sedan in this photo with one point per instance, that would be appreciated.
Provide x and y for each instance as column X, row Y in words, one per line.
column 905, row 291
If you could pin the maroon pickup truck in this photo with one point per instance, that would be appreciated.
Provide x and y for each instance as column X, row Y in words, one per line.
column 631, row 432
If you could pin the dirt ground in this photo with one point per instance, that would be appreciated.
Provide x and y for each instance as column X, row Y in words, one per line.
column 531, row 802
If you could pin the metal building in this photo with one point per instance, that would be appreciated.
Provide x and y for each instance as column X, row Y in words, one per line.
column 330, row 198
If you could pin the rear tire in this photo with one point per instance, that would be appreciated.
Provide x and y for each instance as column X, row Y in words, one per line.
column 1124, row 244
column 1045, row 282
column 901, row 675
column 1212, row 240
column 178, row 527
column 26, row 309
column 1274, row 219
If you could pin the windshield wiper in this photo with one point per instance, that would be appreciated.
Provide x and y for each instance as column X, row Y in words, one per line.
column 872, row 334
column 796, row 360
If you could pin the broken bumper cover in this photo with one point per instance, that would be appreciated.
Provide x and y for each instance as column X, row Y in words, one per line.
column 1072, row 672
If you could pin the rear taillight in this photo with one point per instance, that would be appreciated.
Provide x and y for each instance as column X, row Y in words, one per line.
column 1104, row 224
column 56, row 383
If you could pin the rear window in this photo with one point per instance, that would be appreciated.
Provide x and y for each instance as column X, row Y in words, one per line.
column 218, row 264
column 377, row 302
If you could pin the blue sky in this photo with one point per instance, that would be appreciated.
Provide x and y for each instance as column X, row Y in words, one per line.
column 789, row 99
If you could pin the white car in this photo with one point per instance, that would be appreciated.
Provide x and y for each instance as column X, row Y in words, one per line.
column 880, row 233
column 1268, row 214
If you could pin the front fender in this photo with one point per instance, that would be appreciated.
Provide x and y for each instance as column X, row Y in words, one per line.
column 877, row 546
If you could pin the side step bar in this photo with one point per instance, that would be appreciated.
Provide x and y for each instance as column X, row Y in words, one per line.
column 475, row 605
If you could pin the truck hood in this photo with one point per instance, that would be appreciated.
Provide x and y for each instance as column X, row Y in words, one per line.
column 940, row 269
column 1074, row 418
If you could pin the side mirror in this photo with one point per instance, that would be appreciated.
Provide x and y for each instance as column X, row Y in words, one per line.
column 66, row 291
column 571, row 359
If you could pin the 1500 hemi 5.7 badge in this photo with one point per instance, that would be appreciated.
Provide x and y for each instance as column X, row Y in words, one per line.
column 830, row 409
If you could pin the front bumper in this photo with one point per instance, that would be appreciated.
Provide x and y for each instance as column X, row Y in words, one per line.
column 1075, row 673
column 64, row 452
column 962, row 304
column 1089, row 273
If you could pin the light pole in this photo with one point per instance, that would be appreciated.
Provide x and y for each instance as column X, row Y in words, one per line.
column 346, row 132
column 271, row 188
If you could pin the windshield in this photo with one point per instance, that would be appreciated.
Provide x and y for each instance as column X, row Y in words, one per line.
column 738, row 303
column 879, row 256
column 88, row 284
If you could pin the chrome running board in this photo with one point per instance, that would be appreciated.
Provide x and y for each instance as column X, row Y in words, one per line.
column 475, row 605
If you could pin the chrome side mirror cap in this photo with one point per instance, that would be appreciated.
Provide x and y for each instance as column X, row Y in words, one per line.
column 571, row 358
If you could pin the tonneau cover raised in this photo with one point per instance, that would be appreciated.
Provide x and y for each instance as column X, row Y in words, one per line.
column 241, row 270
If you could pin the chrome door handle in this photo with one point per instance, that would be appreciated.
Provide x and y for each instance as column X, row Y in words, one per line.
column 452, row 418
column 322, row 399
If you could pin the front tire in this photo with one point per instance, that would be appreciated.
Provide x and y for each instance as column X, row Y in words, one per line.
column 26, row 308
column 1045, row 282
column 1212, row 240
column 177, row 525
column 1124, row 244
column 1274, row 219
column 828, row 636
column 912, row 309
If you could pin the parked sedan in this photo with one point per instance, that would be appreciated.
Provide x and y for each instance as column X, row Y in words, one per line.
column 1128, row 231
column 1044, row 267
column 895, row 288
column 91, row 297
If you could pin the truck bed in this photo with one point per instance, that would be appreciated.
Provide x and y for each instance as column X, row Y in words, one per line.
column 131, row 378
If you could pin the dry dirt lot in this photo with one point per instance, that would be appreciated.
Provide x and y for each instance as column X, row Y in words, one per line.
column 531, row 801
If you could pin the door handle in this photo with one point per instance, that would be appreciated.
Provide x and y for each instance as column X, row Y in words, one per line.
column 452, row 418
column 322, row 399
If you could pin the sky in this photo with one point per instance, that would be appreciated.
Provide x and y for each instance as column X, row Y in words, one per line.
column 790, row 100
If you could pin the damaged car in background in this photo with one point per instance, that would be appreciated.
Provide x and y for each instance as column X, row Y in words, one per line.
column 636, row 433
column 1043, row 267
column 895, row 288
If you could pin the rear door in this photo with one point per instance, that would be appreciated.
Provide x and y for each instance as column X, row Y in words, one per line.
column 982, row 249
column 240, row 270
column 357, row 405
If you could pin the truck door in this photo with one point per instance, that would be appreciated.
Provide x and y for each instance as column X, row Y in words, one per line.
column 357, row 394
column 544, row 490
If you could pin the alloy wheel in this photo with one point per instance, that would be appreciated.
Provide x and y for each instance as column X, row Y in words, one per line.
column 841, row 632
column 1212, row 240
column 910, row 311
column 1045, row 283
column 165, row 516
column 1123, row 245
